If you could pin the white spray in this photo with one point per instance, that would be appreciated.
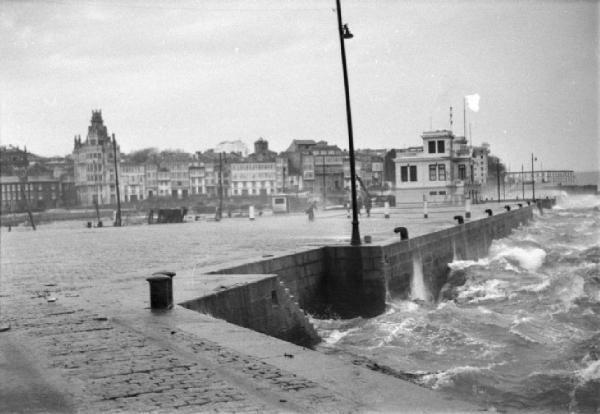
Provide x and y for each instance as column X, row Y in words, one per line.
column 418, row 290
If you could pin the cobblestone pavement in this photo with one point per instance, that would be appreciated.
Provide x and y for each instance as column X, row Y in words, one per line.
column 112, row 363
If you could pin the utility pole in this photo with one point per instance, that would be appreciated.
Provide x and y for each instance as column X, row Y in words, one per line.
column 220, row 215
column 324, row 180
column 522, row 182
column 118, row 216
column 27, row 197
column 498, row 177
column 532, row 179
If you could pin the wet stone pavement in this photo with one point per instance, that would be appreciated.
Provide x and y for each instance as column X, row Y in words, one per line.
column 110, row 365
column 73, row 298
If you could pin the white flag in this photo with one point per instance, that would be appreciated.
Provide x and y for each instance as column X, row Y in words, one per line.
column 473, row 102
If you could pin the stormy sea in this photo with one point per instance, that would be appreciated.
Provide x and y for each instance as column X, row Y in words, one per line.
column 517, row 330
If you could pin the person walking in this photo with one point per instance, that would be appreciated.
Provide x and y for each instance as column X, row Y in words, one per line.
column 310, row 211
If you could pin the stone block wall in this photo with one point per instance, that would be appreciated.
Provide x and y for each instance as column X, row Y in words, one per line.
column 468, row 241
column 264, row 306
column 302, row 273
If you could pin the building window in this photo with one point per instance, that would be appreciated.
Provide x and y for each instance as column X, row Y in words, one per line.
column 404, row 174
column 442, row 172
column 441, row 146
column 462, row 172
column 432, row 147
column 413, row 173
column 432, row 172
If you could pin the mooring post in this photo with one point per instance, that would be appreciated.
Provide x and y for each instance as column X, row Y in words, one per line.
column 489, row 212
column 459, row 219
column 468, row 208
column 507, row 207
column 424, row 208
column 161, row 290
column 403, row 231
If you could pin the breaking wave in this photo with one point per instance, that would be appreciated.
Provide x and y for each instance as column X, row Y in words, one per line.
column 514, row 330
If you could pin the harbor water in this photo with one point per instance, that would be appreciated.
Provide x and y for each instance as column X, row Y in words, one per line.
column 517, row 330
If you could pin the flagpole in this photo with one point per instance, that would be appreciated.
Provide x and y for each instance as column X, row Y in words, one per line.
column 470, row 135
column 465, row 116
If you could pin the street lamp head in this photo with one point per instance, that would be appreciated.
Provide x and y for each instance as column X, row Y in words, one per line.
column 347, row 34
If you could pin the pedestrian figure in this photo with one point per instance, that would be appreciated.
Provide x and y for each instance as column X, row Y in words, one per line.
column 368, row 206
column 310, row 211
column 347, row 206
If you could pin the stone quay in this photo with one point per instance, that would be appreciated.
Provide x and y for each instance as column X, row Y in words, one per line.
column 83, row 338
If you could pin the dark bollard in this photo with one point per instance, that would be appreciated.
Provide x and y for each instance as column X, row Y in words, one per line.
column 99, row 224
column 403, row 232
column 171, row 275
column 368, row 239
column 89, row 224
column 161, row 291
column 528, row 202
column 507, row 207
column 489, row 212
column 460, row 219
column 520, row 205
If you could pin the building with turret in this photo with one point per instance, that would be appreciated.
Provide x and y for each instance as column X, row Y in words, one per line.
column 94, row 164
column 441, row 170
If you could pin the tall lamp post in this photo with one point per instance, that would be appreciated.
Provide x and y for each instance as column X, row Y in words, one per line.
column 344, row 33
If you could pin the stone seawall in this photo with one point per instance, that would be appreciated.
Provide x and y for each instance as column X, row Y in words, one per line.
column 469, row 241
column 264, row 306
column 348, row 281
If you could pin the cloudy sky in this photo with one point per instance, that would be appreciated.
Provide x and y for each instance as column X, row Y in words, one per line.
column 189, row 74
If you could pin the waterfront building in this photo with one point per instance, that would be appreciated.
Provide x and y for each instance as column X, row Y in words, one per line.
column 35, row 192
column 328, row 170
column 197, row 179
column 257, row 174
column 214, row 165
column 132, row 181
column 480, row 164
column 178, row 164
column 94, row 166
column 163, row 178
column 151, row 179
column 440, row 170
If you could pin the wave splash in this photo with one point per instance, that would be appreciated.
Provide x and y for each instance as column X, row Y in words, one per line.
column 517, row 329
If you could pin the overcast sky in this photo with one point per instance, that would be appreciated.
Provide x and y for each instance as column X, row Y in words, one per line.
column 199, row 72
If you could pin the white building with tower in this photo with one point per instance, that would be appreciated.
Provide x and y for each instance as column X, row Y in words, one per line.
column 440, row 170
